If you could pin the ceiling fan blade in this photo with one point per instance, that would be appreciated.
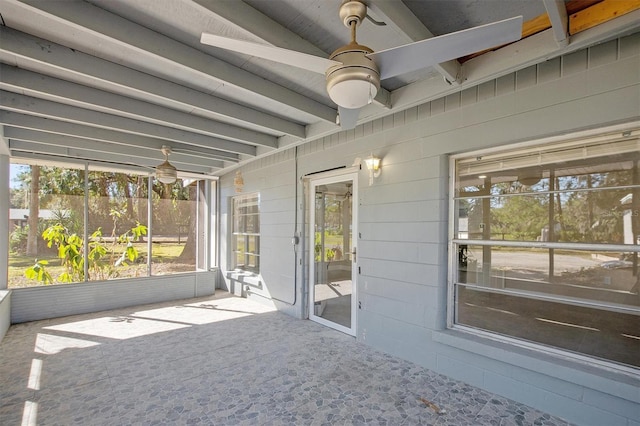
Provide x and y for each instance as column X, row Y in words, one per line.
column 272, row 53
column 425, row 53
column 348, row 117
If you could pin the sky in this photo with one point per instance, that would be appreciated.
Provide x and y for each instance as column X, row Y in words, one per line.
column 14, row 170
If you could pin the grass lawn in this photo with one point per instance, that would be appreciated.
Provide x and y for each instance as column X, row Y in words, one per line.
column 165, row 253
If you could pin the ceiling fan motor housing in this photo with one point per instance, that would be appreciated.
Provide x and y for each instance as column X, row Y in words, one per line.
column 356, row 81
column 352, row 11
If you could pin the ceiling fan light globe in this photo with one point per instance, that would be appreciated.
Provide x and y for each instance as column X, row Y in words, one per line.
column 355, row 82
column 352, row 94
column 166, row 173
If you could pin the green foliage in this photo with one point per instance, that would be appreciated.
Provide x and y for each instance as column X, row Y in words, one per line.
column 18, row 240
column 520, row 218
column 104, row 261
column 576, row 211
column 331, row 254
column 317, row 244
column 38, row 272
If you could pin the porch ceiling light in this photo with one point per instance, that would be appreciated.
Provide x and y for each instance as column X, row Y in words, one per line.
column 375, row 167
column 531, row 178
column 166, row 172
column 238, row 182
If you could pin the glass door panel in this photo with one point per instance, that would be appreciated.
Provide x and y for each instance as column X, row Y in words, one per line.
column 332, row 295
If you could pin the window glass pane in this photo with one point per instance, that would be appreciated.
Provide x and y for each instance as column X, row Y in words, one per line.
column 589, row 275
column 239, row 257
column 252, row 263
column 45, row 198
column 253, row 244
column 246, row 232
column 601, row 333
column 117, row 226
column 580, row 216
column 604, row 216
column 179, row 225
column 521, row 218
column 583, row 196
column 612, row 159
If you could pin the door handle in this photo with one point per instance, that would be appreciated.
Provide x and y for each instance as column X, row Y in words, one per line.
column 353, row 253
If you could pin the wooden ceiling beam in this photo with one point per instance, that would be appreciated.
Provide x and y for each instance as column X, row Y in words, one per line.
column 583, row 14
column 600, row 13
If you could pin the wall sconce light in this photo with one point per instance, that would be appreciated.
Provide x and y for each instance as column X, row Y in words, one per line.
column 374, row 166
column 238, row 182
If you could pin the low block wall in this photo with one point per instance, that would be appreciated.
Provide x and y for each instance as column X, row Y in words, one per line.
column 36, row 303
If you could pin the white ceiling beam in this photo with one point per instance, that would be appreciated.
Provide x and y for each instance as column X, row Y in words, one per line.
column 31, row 122
column 26, row 51
column 557, row 11
column 32, row 84
column 10, row 101
column 66, row 141
column 398, row 16
column 28, row 158
column 80, row 25
column 4, row 143
column 17, row 146
column 524, row 53
column 256, row 24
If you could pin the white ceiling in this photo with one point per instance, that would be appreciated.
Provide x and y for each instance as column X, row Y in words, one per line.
column 113, row 80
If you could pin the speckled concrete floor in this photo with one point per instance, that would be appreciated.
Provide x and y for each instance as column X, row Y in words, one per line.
column 224, row 360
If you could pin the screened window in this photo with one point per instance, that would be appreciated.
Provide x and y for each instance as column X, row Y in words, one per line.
column 246, row 233
column 71, row 224
column 546, row 245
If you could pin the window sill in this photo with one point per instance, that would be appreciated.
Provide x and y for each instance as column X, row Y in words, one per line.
column 245, row 277
column 617, row 382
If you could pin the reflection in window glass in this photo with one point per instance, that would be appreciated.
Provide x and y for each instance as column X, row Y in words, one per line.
column 246, row 232
column 597, row 275
column 548, row 245
column 585, row 330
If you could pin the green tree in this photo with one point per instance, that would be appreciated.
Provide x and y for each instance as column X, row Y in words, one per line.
column 104, row 262
column 34, row 212
column 520, row 217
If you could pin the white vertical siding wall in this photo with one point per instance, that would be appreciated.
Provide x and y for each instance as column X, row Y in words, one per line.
column 274, row 178
column 403, row 222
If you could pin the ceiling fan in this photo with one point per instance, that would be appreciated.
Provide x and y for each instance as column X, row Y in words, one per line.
column 354, row 71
